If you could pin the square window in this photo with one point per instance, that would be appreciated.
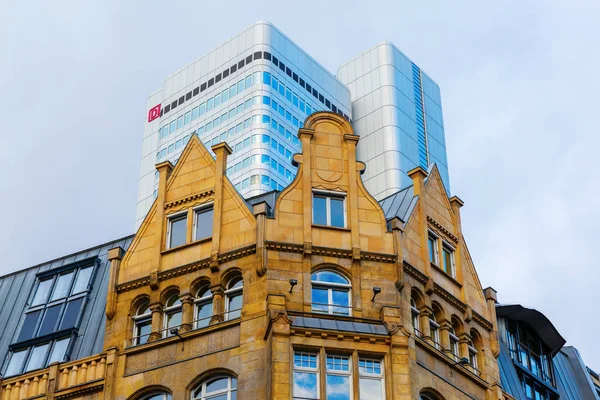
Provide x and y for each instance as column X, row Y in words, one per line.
column 177, row 230
column 329, row 209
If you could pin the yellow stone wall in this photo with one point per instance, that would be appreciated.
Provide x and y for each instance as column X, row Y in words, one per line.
column 267, row 248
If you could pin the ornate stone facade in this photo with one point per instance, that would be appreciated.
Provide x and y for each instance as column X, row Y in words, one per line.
column 269, row 253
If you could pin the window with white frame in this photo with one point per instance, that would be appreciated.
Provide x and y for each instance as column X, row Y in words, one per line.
column 142, row 324
column 473, row 356
column 330, row 293
column 414, row 314
column 234, row 296
column 177, row 230
column 329, row 208
column 371, row 379
column 216, row 388
column 306, row 376
column 432, row 243
column 172, row 314
column 434, row 328
column 338, row 379
column 448, row 259
column 204, row 307
column 453, row 343
column 203, row 222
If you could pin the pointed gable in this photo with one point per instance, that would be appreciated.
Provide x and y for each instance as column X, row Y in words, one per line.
column 196, row 181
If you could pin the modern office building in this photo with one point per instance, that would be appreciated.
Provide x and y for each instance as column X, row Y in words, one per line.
column 253, row 92
column 535, row 364
column 397, row 112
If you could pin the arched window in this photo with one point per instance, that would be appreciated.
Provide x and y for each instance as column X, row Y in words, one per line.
column 204, row 307
column 453, row 343
column 473, row 356
column 330, row 293
column 157, row 396
column 430, row 396
column 172, row 316
column 216, row 388
column 414, row 313
column 435, row 330
column 233, row 295
column 142, row 323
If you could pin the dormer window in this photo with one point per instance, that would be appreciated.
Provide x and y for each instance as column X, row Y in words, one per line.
column 176, row 229
column 329, row 208
column 433, row 248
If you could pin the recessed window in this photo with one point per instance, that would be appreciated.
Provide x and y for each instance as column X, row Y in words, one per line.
column 233, row 294
column 473, row 357
column 433, row 248
column 454, row 344
column 216, row 388
column 448, row 259
column 177, row 230
column 204, row 307
column 330, row 293
column 142, row 324
column 329, row 209
column 172, row 314
column 435, row 331
column 203, row 222
column 338, row 379
column 414, row 314
column 371, row 384
column 306, row 376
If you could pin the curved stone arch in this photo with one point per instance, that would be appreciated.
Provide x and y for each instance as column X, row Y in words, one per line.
column 229, row 274
column 138, row 394
column 430, row 394
column 438, row 311
column 457, row 324
column 213, row 372
column 344, row 271
column 198, row 284
column 419, row 298
column 168, row 292
column 137, row 302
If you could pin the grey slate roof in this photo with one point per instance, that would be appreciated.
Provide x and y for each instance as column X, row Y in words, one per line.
column 338, row 325
column 399, row 204
column 16, row 287
column 572, row 379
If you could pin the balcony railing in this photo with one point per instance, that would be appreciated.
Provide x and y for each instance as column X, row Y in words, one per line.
column 195, row 325
column 68, row 375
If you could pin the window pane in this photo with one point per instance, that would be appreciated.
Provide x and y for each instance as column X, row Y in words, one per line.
column 82, row 280
column 447, row 261
column 338, row 387
column 16, row 363
column 217, row 384
column 50, row 320
column 62, row 286
column 235, row 305
column 329, row 276
column 59, row 350
column 337, row 212
column 71, row 314
column 371, row 389
column 204, row 314
column 178, row 232
column 41, row 294
column 29, row 325
column 204, row 224
column 305, row 385
column 320, row 300
column 431, row 244
column 37, row 358
column 340, row 298
column 319, row 210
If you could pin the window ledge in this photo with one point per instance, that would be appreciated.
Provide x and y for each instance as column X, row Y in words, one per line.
column 185, row 246
column 335, row 228
column 447, row 275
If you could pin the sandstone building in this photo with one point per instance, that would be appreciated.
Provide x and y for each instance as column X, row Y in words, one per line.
column 315, row 292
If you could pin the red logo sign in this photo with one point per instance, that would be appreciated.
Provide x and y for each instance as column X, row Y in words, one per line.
column 154, row 113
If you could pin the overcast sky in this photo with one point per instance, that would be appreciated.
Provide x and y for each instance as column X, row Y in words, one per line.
column 519, row 82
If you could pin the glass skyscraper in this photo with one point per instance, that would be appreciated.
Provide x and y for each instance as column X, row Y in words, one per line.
column 254, row 92
column 397, row 111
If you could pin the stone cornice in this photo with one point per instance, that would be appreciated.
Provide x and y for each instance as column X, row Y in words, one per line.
column 415, row 273
column 443, row 229
column 188, row 199
column 187, row 268
column 449, row 297
column 484, row 323
column 330, row 252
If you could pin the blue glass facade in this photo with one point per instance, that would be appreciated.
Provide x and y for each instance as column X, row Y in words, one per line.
column 396, row 109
